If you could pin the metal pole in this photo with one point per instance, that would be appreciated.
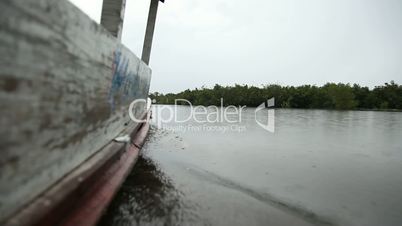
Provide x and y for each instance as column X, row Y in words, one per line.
column 113, row 16
column 149, row 33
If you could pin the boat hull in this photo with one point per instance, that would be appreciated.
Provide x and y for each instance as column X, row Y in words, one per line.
column 65, row 89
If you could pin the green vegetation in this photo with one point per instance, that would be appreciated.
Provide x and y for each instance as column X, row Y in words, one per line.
column 329, row 96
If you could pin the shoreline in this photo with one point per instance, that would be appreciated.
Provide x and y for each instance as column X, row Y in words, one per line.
column 328, row 109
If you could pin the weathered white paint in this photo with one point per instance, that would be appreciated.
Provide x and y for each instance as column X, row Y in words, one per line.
column 113, row 16
column 65, row 87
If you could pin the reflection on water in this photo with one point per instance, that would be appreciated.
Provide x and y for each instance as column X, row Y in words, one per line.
column 318, row 168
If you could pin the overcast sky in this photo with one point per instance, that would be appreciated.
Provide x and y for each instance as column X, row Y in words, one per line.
column 287, row 42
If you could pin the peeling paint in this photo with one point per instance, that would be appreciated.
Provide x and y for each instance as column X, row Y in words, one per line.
column 125, row 81
column 65, row 86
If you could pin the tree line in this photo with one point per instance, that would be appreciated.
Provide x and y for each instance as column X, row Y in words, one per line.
column 329, row 96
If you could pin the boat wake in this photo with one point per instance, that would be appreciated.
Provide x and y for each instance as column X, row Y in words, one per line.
column 293, row 209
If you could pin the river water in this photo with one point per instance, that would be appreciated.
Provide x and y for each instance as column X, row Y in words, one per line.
column 317, row 167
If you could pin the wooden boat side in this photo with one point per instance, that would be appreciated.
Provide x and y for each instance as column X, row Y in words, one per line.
column 65, row 87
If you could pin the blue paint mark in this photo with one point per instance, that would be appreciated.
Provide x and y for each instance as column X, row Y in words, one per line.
column 125, row 82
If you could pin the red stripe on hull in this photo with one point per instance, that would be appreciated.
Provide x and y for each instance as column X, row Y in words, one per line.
column 98, row 196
